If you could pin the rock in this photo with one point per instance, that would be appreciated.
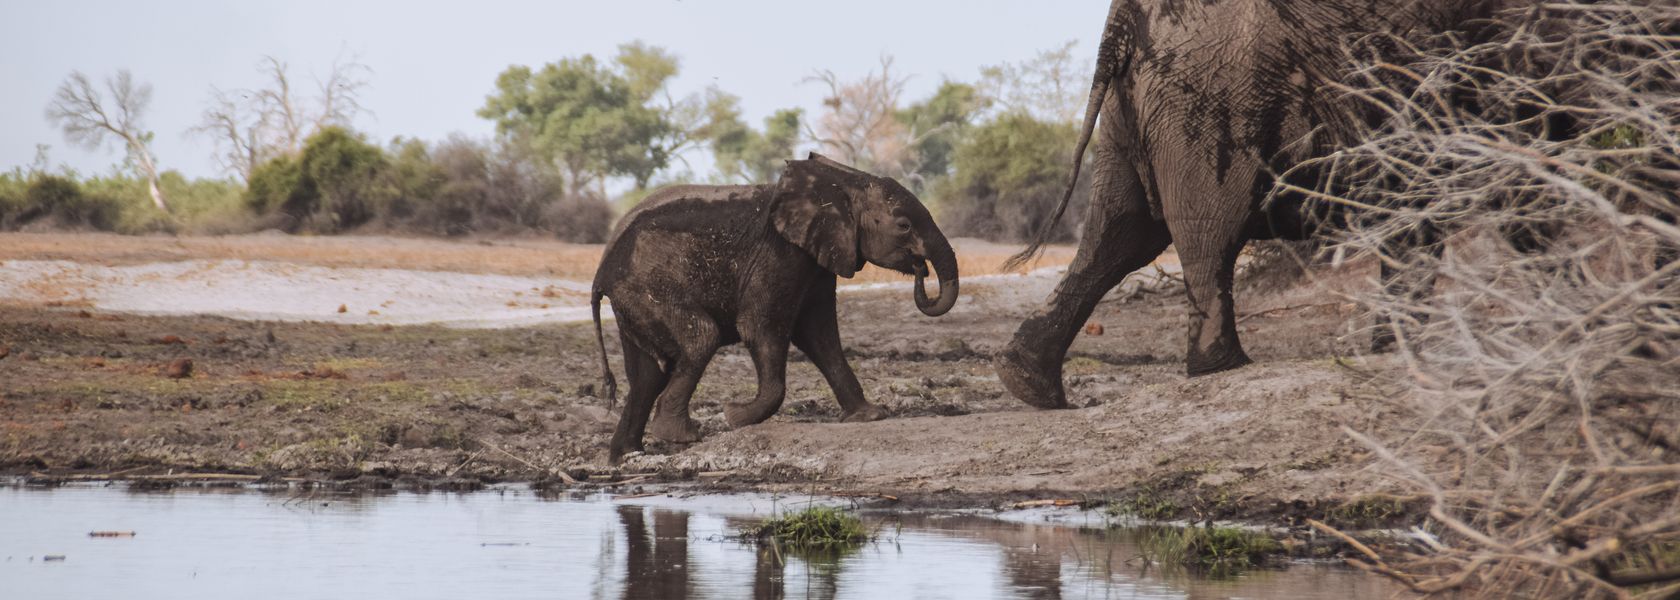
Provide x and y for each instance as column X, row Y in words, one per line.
column 1093, row 329
column 5, row 351
column 343, row 309
column 182, row 368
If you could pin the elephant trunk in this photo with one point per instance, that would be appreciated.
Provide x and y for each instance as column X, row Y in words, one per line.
column 944, row 261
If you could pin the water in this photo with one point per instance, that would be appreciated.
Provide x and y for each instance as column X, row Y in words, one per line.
column 515, row 544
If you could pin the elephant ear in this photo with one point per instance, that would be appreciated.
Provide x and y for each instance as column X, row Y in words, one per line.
column 813, row 209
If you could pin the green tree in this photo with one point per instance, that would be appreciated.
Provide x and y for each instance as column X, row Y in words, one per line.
column 1007, row 175
column 583, row 117
column 338, row 182
column 937, row 125
column 746, row 155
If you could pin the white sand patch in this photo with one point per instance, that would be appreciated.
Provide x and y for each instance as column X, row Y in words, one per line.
column 271, row 291
column 277, row 291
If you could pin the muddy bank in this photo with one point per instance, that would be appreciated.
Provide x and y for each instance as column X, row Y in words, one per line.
column 90, row 392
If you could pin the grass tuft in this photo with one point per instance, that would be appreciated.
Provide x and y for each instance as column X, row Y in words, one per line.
column 815, row 526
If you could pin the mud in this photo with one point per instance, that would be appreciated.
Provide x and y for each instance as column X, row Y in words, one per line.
column 86, row 392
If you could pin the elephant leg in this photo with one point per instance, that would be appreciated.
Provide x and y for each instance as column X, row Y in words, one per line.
column 1120, row 236
column 647, row 380
column 672, row 423
column 1401, row 282
column 769, row 354
column 1208, row 247
column 818, row 335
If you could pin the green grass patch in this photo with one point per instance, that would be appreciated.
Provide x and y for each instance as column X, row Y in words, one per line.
column 1147, row 504
column 813, row 527
column 1215, row 549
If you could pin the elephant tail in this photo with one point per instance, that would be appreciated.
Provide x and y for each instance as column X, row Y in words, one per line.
column 611, row 386
column 1109, row 68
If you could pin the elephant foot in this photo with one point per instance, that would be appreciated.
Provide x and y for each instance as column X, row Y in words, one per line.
column 1029, row 378
column 678, row 429
column 1224, row 356
column 742, row 415
column 618, row 450
column 869, row 412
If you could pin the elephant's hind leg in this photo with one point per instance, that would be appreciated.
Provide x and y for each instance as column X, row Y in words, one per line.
column 696, row 346
column 1120, row 236
column 769, row 355
column 647, row 380
column 1208, row 247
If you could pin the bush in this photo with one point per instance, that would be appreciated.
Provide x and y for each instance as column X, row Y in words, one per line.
column 1540, row 370
column 63, row 202
column 1009, row 175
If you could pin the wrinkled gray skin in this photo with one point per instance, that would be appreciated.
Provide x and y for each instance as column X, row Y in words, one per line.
column 1202, row 101
column 694, row 268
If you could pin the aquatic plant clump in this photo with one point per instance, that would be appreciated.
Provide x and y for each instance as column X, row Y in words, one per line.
column 1214, row 548
column 815, row 526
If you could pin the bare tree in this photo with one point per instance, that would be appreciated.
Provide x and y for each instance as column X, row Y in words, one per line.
column 861, row 125
column 251, row 126
column 1051, row 86
column 80, row 110
column 236, row 129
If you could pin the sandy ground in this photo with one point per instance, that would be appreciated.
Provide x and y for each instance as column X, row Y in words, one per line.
column 84, row 387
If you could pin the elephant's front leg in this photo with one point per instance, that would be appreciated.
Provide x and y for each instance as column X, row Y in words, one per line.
column 769, row 354
column 818, row 336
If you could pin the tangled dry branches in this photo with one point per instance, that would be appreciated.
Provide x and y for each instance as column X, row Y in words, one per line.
column 1543, row 369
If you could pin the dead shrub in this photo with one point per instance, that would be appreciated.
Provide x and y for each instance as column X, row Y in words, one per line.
column 1543, row 372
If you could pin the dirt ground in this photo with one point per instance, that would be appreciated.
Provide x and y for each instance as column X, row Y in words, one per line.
column 85, row 392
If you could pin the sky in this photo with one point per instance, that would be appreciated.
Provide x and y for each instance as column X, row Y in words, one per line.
column 434, row 62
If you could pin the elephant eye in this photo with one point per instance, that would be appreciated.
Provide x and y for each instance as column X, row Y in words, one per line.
column 903, row 225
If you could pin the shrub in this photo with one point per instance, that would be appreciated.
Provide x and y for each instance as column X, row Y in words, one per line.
column 1541, row 369
column 1009, row 175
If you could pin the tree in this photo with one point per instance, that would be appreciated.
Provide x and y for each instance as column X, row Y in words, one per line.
column 81, row 111
column 337, row 182
column 1006, row 178
column 252, row 126
column 582, row 117
column 937, row 125
column 860, row 125
column 748, row 156
column 1052, row 86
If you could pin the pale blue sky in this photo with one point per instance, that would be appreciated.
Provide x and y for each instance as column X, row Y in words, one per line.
column 434, row 62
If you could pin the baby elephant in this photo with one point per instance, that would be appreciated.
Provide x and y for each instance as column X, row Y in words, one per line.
column 694, row 268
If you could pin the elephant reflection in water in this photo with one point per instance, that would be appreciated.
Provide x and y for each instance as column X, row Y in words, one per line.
column 659, row 567
column 658, row 563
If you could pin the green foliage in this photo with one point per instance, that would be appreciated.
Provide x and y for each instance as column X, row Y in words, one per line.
column 1009, row 173
column 338, row 182
column 1219, row 549
column 940, row 123
column 814, row 526
column 745, row 155
column 1146, row 504
column 584, row 116
column 61, row 198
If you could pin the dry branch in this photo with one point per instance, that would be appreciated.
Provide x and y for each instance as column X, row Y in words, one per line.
column 1542, row 340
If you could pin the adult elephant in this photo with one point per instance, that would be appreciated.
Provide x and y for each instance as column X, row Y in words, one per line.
column 1202, row 101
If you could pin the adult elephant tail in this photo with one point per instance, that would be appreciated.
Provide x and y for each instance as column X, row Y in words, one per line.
column 1113, row 62
column 611, row 386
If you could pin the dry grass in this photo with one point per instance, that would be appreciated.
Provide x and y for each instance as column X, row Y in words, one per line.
column 1543, row 379
column 532, row 257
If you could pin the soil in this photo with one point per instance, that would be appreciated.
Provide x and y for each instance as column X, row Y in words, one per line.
column 87, row 392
